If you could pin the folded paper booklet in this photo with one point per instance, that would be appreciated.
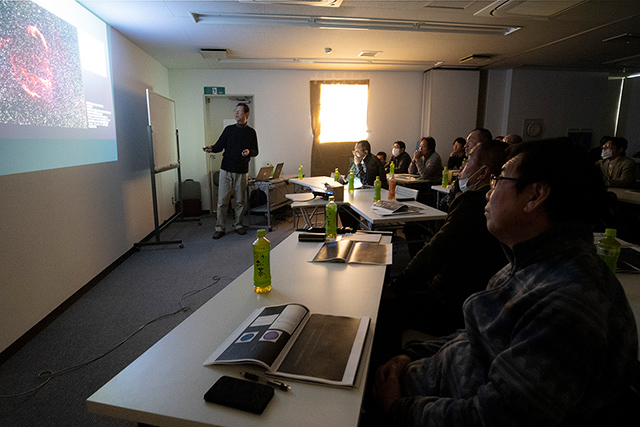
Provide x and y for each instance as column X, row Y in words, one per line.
column 388, row 207
column 353, row 252
column 291, row 342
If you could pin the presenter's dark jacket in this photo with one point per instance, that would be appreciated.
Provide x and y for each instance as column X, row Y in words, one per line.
column 234, row 140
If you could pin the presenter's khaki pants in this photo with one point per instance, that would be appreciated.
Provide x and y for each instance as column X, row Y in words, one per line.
column 235, row 184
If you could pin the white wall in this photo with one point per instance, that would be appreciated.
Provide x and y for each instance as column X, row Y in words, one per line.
column 629, row 126
column 282, row 115
column 450, row 107
column 497, row 101
column 62, row 227
column 562, row 99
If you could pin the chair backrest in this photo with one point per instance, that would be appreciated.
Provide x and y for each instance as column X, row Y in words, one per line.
column 406, row 193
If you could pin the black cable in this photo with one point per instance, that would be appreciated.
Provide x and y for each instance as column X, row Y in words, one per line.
column 49, row 375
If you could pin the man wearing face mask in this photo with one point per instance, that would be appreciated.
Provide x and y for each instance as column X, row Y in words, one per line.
column 400, row 158
column 458, row 260
column 617, row 169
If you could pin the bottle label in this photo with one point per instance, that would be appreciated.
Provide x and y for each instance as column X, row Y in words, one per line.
column 331, row 221
column 261, row 267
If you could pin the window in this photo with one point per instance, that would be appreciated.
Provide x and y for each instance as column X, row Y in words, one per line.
column 343, row 112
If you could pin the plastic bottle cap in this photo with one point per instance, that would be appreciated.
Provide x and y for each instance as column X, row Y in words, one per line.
column 261, row 232
column 332, row 198
column 611, row 232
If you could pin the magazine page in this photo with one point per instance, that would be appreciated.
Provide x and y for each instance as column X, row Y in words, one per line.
column 371, row 253
column 363, row 237
column 334, row 251
column 261, row 337
column 388, row 206
column 327, row 351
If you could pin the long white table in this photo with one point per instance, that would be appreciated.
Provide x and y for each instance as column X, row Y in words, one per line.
column 361, row 201
column 165, row 386
column 626, row 195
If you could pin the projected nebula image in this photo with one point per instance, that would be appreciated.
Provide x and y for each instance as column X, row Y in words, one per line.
column 40, row 71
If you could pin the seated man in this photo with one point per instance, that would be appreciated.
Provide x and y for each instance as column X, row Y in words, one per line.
column 618, row 170
column 400, row 158
column 365, row 166
column 475, row 136
column 552, row 340
column 512, row 138
column 382, row 156
column 426, row 162
column 457, row 157
column 458, row 260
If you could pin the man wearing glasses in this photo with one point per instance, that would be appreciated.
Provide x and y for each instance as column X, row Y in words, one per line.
column 239, row 143
column 552, row 340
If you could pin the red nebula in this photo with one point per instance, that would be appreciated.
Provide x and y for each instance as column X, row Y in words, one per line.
column 31, row 69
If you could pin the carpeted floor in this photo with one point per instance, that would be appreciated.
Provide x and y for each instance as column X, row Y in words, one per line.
column 152, row 282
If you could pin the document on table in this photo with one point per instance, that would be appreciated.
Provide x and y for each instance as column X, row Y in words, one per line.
column 291, row 342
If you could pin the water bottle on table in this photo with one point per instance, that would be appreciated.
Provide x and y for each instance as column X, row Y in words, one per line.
column 331, row 219
column 261, row 263
column 608, row 248
column 377, row 185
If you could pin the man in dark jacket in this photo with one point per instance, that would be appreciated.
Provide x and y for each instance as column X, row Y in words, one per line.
column 365, row 166
column 239, row 143
column 458, row 260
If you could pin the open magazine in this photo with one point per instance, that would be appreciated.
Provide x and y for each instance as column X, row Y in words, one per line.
column 388, row 207
column 354, row 252
column 291, row 342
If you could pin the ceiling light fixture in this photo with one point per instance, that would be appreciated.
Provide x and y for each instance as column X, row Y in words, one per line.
column 334, row 22
column 324, row 3
column 334, row 61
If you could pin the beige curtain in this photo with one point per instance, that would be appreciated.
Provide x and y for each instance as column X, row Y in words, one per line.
column 326, row 157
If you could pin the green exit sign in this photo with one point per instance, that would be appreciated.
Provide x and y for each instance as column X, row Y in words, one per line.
column 213, row 90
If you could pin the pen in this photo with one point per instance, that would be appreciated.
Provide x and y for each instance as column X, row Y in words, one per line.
column 254, row 377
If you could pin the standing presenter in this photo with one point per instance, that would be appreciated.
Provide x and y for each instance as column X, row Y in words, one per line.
column 239, row 143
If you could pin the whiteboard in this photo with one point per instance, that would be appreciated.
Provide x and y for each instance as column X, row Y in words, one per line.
column 162, row 119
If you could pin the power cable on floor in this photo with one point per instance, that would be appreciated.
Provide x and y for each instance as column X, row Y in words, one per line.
column 49, row 375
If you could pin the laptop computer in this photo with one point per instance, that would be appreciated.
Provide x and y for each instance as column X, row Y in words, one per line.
column 276, row 173
column 264, row 174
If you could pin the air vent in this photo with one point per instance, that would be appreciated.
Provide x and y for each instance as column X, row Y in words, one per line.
column 214, row 53
column 369, row 53
column 448, row 4
column 474, row 59
column 324, row 3
column 532, row 9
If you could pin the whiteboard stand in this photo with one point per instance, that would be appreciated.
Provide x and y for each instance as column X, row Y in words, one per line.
column 154, row 171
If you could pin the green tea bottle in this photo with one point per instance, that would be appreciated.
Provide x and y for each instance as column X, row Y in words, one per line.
column 261, row 264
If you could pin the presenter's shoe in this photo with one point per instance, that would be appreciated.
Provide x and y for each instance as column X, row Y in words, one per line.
column 218, row 234
column 241, row 231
